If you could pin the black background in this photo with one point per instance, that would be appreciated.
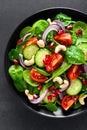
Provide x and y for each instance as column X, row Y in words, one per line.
column 13, row 114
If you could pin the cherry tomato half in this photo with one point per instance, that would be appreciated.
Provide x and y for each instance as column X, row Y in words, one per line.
column 64, row 38
column 55, row 62
column 33, row 40
column 73, row 72
column 36, row 76
column 68, row 101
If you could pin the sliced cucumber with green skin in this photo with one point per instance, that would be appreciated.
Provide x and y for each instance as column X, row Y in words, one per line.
column 83, row 47
column 75, row 87
column 40, row 56
column 41, row 71
column 29, row 51
column 27, row 78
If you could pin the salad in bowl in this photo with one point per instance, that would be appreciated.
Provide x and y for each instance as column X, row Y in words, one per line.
column 49, row 63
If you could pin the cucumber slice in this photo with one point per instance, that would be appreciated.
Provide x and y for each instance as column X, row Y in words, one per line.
column 74, row 88
column 29, row 51
column 27, row 78
column 40, row 56
column 83, row 47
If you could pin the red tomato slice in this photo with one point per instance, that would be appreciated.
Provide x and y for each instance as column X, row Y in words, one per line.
column 73, row 72
column 68, row 101
column 36, row 76
column 64, row 38
column 33, row 40
column 55, row 62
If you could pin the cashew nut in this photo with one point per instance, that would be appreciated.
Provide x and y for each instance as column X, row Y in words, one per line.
column 30, row 96
column 59, row 48
column 41, row 43
column 81, row 99
column 50, row 22
column 29, row 62
column 65, row 84
column 58, row 79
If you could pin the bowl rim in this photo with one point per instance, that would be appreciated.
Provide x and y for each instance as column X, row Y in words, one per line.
column 18, row 97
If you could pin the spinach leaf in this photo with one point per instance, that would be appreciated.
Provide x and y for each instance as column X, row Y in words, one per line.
column 51, row 106
column 16, row 72
column 74, row 55
column 84, row 75
column 64, row 18
column 40, row 27
column 20, row 85
column 64, row 67
column 13, row 54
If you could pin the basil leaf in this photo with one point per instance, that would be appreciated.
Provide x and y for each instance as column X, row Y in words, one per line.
column 51, row 106
column 74, row 55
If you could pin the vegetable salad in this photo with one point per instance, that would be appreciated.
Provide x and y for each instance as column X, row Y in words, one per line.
column 49, row 63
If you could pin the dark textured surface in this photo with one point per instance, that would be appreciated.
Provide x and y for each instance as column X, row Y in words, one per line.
column 13, row 114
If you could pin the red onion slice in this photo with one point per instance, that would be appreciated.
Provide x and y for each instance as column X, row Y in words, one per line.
column 84, row 68
column 22, row 61
column 26, row 35
column 38, row 100
column 50, row 28
column 60, row 24
column 61, row 96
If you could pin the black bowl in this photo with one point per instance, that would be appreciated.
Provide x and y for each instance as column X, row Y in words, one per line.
column 44, row 14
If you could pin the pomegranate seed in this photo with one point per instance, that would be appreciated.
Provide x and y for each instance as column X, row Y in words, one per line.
column 47, row 59
column 19, row 41
column 69, row 27
column 49, row 98
column 16, row 62
column 57, row 92
column 52, row 88
column 79, row 32
column 60, row 32
column 84, row 81
column 52, row 45
column 35, row 96
column 40, row 87
column 54, row 94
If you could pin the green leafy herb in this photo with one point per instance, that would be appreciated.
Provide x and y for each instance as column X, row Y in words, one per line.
column 40, row 27
column 13, row 54
column 77, row 105
column 74, row 55
column 20, row 85
column 64, row 18
column 16, row 72
column 51, row 106
column 65, row 66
